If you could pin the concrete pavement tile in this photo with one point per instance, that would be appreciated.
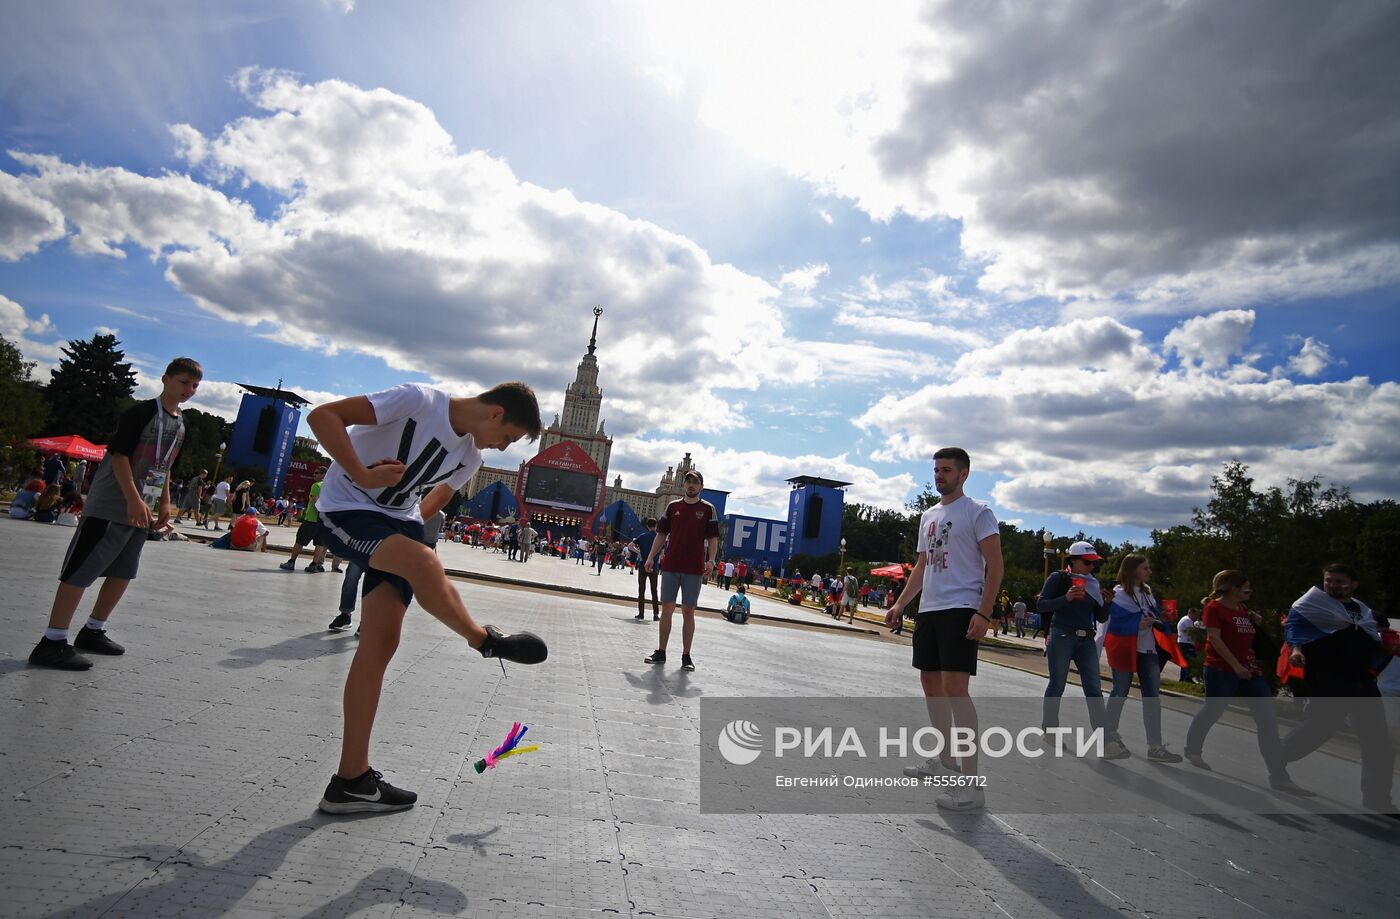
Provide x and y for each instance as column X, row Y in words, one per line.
column 730, row 851
column 663, row 788
column 698, row 892
column 40, row 882
column 532, row 880
column 684, row 768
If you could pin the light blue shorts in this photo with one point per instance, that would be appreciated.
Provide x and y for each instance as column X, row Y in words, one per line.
column 687, row 585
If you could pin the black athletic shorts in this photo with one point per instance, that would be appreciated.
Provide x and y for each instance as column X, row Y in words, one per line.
column 941, row 642
column 102, row 549
column 355, row 535
column 309, row 533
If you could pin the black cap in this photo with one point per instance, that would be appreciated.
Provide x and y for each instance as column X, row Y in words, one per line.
column 694, row 474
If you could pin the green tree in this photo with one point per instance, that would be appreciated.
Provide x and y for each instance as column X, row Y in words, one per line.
column 878, row 534
column 89, row 388
column 203, row 434
column 22, row 407
column 308, row 451
column 22, row 411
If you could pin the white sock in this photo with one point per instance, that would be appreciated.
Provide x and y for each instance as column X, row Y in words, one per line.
column 97, row 625
column 56, row 634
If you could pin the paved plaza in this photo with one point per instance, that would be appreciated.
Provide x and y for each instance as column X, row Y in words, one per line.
column 182, row 778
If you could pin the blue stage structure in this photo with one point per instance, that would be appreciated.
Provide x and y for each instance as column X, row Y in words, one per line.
column 493, row 501
column 265, row 431
column 814, row 515
column 621, row 521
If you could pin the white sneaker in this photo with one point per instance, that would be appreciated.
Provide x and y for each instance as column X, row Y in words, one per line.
column 962, row 799
column 931, row 767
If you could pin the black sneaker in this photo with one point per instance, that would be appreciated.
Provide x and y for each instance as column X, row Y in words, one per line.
column 687, row 663
column 288, row 565
column 656, row 657
column 655, row 617
column 519, row 648
column 96, row 641
column 367, row 794
column 314, row 568
column 640, row 616
column 340, row 623
column 58, row 654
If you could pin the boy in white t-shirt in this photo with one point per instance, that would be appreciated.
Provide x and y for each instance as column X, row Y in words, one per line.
column 407, row 440
column 958, row 573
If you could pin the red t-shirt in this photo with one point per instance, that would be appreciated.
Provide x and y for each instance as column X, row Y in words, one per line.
column 687, row 527
column 244, row 531
column 1236, row 631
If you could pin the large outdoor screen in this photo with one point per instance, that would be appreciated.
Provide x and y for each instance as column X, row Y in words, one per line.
column 560, row 488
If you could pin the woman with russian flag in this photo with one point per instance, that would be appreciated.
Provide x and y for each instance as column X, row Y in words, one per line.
column 1136, row 636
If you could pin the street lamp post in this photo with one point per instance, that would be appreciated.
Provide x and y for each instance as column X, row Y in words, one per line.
column 841, row 573
column 1049, row 553
column 218, row 459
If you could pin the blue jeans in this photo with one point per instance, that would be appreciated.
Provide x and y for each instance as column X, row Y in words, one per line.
column 1149, row 672
column 350, row 587
column 1063, row 648
column 1188, row 651
column 1221, row 687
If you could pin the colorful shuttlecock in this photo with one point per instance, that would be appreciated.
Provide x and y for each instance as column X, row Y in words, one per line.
column 511, row 747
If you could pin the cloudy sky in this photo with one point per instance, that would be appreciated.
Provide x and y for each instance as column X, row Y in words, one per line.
column 1105, row 246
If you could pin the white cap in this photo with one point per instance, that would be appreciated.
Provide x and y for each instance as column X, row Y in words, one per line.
column 1086, row 551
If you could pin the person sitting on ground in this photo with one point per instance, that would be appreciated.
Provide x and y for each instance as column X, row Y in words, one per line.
column 22, row 507
column 248, row 532
column 72, row 512
column 49, row 504
column 738, row 610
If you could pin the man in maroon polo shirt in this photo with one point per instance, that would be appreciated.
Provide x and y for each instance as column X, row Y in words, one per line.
column 690, row 528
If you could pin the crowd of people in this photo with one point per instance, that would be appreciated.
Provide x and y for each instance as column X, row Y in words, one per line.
column 52, row 492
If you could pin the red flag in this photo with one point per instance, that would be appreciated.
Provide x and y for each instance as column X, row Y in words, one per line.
column 1167, row 643
column 1286, row 669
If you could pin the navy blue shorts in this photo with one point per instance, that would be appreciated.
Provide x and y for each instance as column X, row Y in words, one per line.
column 355, row 535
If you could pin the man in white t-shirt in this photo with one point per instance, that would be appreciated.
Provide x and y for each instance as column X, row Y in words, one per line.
column 958, row 573
column 407, row 440
column 219, row 504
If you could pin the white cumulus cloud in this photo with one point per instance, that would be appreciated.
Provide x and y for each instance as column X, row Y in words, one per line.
column 1099, row 153
column 392, row 242
column 1085, row 420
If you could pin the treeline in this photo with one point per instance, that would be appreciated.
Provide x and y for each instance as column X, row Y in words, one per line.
column 1280, row 537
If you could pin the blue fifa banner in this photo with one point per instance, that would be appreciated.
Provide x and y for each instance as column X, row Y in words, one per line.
column 263, row 436
column 756, row 539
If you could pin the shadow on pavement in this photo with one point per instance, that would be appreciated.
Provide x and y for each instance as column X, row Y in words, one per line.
column 13, row 666
column 186, row 881
column 653, row 683
column 474, row 841
column 291, row 649
column 1026, row 867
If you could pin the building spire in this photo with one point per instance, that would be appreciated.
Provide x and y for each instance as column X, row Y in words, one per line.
column 593, row 341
